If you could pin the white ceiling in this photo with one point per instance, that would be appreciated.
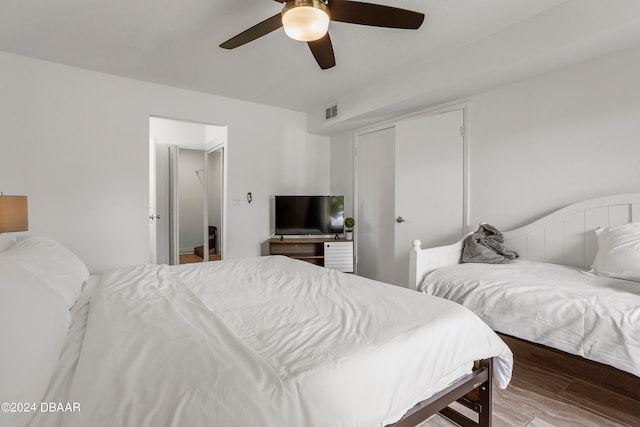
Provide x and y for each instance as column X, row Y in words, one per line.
column 175, row 43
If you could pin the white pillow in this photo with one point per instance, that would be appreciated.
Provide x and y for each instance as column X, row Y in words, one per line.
column 33, row 325
column 618, row 252
column 49, row 261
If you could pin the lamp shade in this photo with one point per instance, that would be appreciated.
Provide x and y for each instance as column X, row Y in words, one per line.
column 14, row 215
column 305, row 20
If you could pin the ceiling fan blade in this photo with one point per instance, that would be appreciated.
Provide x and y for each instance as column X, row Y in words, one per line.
column 355, row 12
column 258, row 30
column 322, row 50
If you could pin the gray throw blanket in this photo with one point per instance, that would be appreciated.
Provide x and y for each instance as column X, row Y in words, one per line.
column 487, row 246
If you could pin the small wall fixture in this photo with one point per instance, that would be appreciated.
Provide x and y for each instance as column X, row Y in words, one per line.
column 14, row 215
column 305, row 20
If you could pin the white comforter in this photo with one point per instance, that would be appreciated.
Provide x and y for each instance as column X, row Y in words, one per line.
column 558, row 306
column 266, row 342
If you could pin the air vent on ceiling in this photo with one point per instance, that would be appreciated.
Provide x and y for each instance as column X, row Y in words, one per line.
column 331, row 112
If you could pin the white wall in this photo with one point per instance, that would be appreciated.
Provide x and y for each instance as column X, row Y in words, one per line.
column 545, row 142
column 181, row 133
column 570, row 33
column 77, row 143
column 215, row 135
column 342, row 169
column 553, row 140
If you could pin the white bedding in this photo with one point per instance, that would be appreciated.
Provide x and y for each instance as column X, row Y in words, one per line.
column 262, row 342
column 558, row 306
column 60, row 383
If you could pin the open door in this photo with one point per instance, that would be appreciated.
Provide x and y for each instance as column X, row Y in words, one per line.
column 158, row 203
column 163, row 205
column 214, row 191
column 153, row 234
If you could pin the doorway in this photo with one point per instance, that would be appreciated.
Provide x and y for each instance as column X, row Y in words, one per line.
column 410, row 184
column 187, row 187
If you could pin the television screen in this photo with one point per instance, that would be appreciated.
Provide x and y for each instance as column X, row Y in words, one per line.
column 309, row 215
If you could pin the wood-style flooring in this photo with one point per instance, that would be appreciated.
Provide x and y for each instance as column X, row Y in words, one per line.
column 552, row 388
column 193, row 258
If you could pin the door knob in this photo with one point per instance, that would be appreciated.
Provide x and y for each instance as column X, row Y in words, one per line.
column 399, row 219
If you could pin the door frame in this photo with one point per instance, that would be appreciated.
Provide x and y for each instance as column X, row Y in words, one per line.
column 172, row 228
column 463, row 105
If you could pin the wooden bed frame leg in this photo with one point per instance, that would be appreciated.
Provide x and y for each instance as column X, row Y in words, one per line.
column 482, row 406
column 486, row 398
column 480, row 380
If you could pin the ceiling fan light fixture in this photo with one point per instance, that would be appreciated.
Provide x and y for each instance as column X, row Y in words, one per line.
column 305, row 20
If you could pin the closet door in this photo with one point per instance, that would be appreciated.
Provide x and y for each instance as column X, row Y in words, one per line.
column 429, row 184
column 374, row 204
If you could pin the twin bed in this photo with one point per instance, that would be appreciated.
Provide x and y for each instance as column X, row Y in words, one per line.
column 575, row 286
column 265, row 341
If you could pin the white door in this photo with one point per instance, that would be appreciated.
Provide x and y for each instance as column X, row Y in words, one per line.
column 374, row 209
column 153, row 249
column 174, row 216
column 215, row 190
column 429, row 186
column 410, row 185
column 160, row 195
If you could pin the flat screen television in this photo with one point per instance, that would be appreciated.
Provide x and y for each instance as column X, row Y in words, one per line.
column 309, row 215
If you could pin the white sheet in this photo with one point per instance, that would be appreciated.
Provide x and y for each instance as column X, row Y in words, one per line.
column 558, row 306
column 60, row 384
column 267, row 342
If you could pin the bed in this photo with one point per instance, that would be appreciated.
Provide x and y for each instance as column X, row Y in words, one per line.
column 265, row 341
column 574, row 288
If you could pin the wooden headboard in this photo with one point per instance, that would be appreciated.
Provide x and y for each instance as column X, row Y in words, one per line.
column 565, row 236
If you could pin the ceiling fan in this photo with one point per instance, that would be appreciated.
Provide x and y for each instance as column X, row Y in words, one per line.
column 308, row 21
